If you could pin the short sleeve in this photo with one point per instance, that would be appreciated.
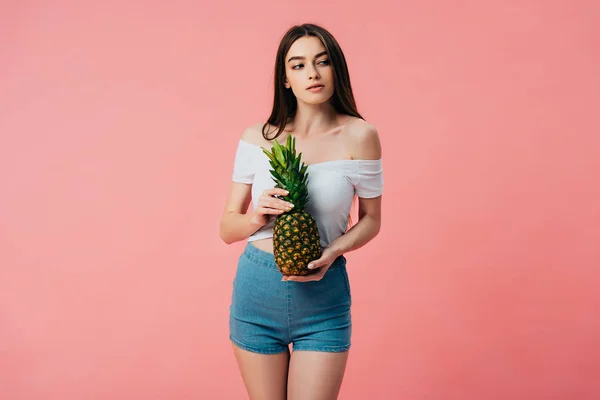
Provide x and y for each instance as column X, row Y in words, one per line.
column 368, row 180
column 243, row 166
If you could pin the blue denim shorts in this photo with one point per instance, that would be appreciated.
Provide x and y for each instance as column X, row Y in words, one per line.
column 267, row 314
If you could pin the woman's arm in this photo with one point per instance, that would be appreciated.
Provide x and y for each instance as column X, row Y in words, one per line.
column 236, row 223
column 365, row 229
column 364, row 144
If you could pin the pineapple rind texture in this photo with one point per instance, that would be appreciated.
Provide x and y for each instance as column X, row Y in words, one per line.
column 296, row 243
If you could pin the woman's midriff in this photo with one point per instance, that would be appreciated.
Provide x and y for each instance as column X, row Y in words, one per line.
column 264, row 244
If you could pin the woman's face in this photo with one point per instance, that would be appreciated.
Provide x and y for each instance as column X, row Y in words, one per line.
column 307, row 64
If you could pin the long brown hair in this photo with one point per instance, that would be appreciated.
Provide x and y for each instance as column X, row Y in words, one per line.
column 285, row 104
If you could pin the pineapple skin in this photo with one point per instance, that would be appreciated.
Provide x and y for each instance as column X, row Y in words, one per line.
column 296, row 242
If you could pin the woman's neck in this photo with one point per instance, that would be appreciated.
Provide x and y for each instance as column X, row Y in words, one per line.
column 314, row 120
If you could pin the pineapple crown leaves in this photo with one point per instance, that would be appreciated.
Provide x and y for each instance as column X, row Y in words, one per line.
column 289, row 172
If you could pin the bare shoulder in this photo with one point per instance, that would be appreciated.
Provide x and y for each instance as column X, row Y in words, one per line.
column 363, row 140
column 254, row 134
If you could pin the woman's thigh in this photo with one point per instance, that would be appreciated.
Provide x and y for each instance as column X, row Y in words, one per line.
column 264, row 375
column 315, row 375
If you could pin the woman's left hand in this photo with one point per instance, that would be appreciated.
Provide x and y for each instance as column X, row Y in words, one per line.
column 327, row 258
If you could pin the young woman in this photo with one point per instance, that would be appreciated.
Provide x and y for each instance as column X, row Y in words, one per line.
column 269, row 311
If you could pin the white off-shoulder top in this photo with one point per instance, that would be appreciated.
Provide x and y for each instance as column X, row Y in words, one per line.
column 331, row 188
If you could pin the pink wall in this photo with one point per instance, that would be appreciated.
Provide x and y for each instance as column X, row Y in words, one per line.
column 118, row 124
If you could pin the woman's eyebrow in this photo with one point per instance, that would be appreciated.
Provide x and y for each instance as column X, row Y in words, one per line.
column 302, row 57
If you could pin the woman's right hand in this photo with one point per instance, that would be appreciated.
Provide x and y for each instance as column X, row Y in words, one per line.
column 269, row 205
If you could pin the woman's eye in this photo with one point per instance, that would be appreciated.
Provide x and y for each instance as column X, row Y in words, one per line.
column 324, row 62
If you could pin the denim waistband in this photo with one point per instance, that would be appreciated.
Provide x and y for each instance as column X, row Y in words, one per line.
column 266, row 259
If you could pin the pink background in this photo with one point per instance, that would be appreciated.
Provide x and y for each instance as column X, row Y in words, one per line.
column 118, row 125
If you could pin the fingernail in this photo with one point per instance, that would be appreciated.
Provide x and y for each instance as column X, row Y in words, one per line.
column 311, row 266
column 291, row 205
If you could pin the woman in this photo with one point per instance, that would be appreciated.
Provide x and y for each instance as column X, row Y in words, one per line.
column 313, row 103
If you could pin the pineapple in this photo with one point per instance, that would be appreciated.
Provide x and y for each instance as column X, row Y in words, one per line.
column 296, row 240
